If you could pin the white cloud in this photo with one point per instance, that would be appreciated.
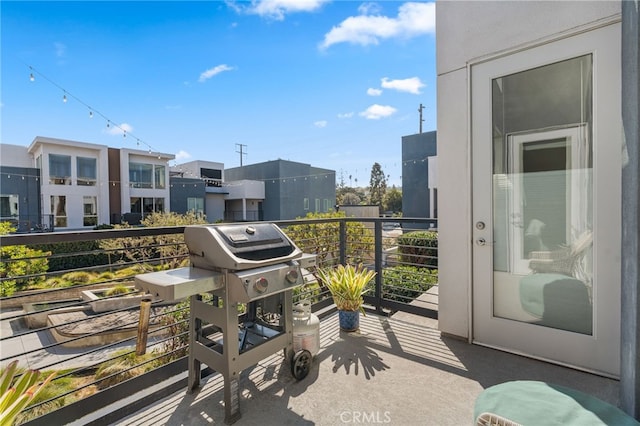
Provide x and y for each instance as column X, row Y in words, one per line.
column 60, row 49
column 320, row 123
column 376, row 112
column 119, row 129
column 413, row 19
column 276, row 9
column 214, row 71
column 409, row 85
column 345, row 115
column 182, row 155
column 369, row 8
column 374, row 92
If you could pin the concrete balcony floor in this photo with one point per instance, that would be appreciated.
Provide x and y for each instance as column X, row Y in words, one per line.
column 398, row 371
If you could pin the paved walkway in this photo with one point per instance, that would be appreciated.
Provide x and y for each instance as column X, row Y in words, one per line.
column 38, row 349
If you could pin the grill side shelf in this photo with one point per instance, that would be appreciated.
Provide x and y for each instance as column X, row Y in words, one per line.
column 180, row 283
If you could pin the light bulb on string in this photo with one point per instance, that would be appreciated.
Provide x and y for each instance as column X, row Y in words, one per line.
column 90, row 114
column 64, row 98
column 108, row 124
column 124, row 133
column 31, row 77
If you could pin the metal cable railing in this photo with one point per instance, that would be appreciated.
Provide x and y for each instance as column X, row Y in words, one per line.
column 48, row 325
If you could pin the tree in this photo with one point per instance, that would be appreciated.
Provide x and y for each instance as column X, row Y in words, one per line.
column 377, row 185
column 351, row 199
column 323, row 239
column 393, row 200
column 168, row 250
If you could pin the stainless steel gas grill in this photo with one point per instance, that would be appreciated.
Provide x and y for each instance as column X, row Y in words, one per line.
column 252, row 264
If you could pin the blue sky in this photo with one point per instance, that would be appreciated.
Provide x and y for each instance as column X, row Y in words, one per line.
column 332, row 83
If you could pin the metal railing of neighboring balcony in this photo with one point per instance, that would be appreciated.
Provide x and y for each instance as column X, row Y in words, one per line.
column 52, row 322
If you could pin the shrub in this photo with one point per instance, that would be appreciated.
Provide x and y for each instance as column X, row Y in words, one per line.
column 323, row 239
column 74, row 255
column 124, row 365
column 118, row 289
column 78, row 277
column 20, row 261
column 168, row 250
column 405, row 283
column 419, row 248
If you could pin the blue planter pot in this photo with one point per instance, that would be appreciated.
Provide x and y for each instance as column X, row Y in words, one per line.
column 349, row 320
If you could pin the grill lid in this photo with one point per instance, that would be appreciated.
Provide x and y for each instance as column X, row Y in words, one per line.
column 238, row 246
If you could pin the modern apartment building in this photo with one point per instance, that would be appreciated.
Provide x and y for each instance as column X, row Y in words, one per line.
column 201, row 186
column 78, row 185
column 292, row 189
column 419, row 175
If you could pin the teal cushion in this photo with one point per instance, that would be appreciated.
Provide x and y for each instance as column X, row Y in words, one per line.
column 559, row 301
column 538, row 403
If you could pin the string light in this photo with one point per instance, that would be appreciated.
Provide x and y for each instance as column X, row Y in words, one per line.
column 33, row 71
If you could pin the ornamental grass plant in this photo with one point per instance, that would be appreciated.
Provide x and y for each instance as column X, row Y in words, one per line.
column 347, row 284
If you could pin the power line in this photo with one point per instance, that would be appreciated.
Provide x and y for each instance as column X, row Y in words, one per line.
column 241, row 152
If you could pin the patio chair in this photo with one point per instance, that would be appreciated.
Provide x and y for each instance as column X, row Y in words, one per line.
column 558, row 292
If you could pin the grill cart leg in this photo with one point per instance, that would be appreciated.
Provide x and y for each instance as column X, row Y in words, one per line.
column 231, row 354
column 195, row 332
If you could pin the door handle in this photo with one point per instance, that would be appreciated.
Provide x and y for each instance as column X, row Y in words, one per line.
column 481, row 242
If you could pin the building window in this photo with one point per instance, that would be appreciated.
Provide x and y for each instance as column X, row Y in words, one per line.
column 9, row 206
column 90, row 211
column 144, row 206
column 306, row 204
column 326, row 205
column 158, row 205
column 86, row 171
column 59, row 169
column 140, row 175
column 59, row 210
column 160, row 177
column 136, row 205
column 317, row 205
column 196, row 205
column 212, row 177
column 147, row 206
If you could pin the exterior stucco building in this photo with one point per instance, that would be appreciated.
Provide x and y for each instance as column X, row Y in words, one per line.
column 530, row 153
column 419, row 175
column 291, row 189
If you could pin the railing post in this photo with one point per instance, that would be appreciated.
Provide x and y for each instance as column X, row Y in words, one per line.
column 343, row 242
column 378, row 262
column 143, row 327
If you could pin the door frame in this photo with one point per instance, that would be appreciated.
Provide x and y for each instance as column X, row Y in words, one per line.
column 600, row 351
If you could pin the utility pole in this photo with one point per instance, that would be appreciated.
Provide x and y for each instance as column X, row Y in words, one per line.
column 241, row 152
column 421, row 119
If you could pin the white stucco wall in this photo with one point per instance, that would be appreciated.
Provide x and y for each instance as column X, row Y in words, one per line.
column 15, row 156
column 138, row 156
column 42, row 146
column 467, row 32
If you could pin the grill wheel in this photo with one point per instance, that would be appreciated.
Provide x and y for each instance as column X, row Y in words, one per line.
column 301, row 363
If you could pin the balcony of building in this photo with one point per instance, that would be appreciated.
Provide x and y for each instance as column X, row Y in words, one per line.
column 397, row 369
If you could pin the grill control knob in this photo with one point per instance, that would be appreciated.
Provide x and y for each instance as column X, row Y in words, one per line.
column 261, row 285
column 292, row 276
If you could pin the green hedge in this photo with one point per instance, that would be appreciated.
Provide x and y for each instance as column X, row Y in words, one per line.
column 404, row 283
column 419, row 248
column 75, row 255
